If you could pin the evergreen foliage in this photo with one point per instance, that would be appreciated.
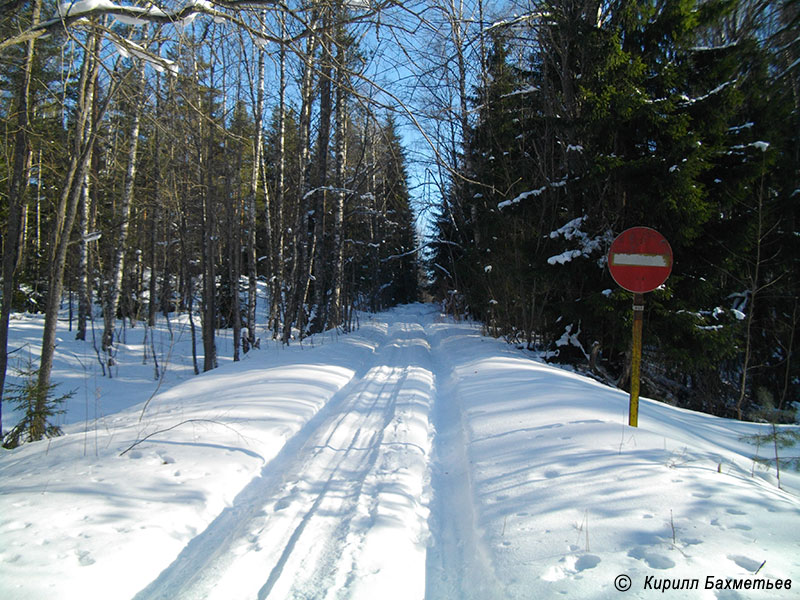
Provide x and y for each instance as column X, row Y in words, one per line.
column 596, row 119
column 38, row 409
column 777, row 437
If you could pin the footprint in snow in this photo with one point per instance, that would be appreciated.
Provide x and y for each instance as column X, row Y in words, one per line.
column 652, row 559
column 587, row 561
column 166, row 459
column 691, row 541
column 283, row 503
column 570, row 565
column 748, row 564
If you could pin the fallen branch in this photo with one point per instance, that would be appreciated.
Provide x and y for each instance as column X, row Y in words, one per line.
column 147, row 437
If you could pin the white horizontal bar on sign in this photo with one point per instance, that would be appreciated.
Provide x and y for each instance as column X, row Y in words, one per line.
column 640, row 260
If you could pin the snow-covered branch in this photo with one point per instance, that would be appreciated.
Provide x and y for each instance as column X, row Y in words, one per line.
column 74, row 13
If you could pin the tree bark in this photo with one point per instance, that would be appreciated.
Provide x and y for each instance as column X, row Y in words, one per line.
column 295, row 310
column 335, row 311
column 84, row 283
column 276, row 251
column 65, row 218
column 16, row 202
column 252, row 259
column 113, row 292
column 320, row 208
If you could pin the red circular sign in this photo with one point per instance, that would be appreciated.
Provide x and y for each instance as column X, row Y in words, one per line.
column 640, row 259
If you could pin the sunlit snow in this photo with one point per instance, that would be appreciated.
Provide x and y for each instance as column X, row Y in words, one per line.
column 411, row 458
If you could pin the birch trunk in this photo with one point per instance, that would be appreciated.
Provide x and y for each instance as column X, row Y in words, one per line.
column 276, row 251
column 335, row 311
column 113, row 292
column 84, row 284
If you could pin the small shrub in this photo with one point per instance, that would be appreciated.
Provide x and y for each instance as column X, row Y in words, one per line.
column 777, row 437
column 26, row 397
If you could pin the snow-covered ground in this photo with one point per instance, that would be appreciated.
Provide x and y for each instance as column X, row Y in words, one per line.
column 412, row 458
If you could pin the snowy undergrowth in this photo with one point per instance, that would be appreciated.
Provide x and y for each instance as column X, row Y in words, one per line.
column 76, row 513
column 568, row 496
column 413, row 457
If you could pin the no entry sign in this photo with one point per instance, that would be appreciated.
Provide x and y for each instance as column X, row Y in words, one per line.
column 640, row 259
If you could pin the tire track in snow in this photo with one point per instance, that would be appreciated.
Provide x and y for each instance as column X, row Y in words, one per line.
column 299, row 528
column 383, row 555
column 206, row 555
column 348, row 465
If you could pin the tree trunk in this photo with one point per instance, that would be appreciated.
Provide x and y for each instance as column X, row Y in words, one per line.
column 208, row 228
column 16, row 203
column 234, row 259
column 320, row 208
column 335, row 311
column 754, row 289
column 84, row 282
column 276, row 251
column 295, row 310
column 113, row 292
column 65, row 217
column 155, row 216
column 252, row 259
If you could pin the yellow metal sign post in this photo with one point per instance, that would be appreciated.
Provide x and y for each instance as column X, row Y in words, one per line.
column 636, row 359
column 639, row 260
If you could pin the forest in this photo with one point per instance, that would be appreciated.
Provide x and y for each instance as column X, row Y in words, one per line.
column 318, row 158
column 681, row 116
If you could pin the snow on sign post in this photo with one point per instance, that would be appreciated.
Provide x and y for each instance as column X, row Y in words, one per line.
column 640, row 260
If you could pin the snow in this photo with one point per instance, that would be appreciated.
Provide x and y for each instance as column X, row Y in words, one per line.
column 568, row 338
column 127, row 48
column 521, row 197
column 716, row 90
column 720, row 47
column 572, row 230
column 527, row 90
column 411, row 458
column 564, row 257
column 569, row 230
column 128, row 20
column 204, row 4
column 739, row 128
column 73, row 9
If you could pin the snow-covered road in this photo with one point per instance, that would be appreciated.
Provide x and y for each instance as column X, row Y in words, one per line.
column 342, row 508
column 412, row 458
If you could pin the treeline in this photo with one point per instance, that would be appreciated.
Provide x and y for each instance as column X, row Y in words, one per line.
column 196, row 166
column 591, row 117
